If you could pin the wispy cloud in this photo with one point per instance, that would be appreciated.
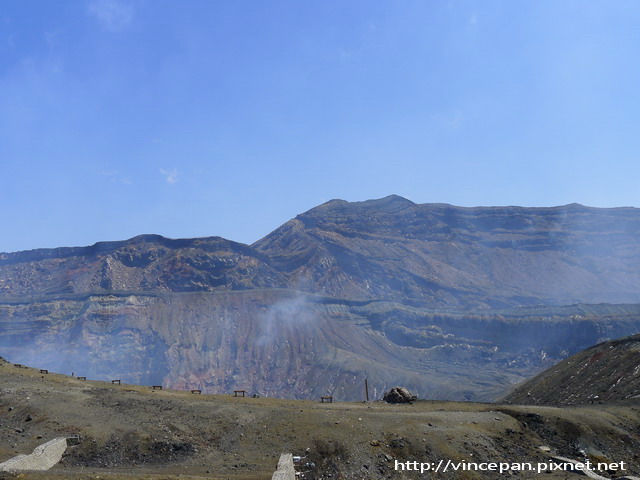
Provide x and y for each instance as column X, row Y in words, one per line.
column 115, row 176
column 171, row 176
column 50, row 38
column 452, row 120
column 113, row 15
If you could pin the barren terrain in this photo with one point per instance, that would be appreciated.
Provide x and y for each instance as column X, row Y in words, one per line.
column 135, row 432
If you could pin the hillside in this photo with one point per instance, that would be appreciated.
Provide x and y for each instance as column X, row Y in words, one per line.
column 455, row 303
column 133, row 432
column 606, row 372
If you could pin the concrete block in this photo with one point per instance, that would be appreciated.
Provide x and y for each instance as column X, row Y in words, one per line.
column 43, row 457
column 285, row 470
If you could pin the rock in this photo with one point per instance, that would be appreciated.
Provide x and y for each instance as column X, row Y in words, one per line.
column 399, row 395
column 398, row 443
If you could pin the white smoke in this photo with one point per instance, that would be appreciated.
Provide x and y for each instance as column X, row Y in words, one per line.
column 292, row 314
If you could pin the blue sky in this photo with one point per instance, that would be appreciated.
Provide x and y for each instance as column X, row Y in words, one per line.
column 198, row 118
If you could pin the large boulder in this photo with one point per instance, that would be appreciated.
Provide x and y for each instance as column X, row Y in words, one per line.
column 399, row 395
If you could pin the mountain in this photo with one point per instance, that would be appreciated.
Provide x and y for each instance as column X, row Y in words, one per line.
column 431, row 255
column 605, row 372
column 146, row 263
column 452, row 302
column 443, row 256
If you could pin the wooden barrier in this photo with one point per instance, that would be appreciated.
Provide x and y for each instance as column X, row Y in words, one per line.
column 81, row 378
column 236, row 392
column 196, row 391
column 115, row 382
column 327, row 398
column 157, row 387
column 42, row 370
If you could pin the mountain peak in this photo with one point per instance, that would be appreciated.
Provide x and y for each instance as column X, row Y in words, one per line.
column 388, row 201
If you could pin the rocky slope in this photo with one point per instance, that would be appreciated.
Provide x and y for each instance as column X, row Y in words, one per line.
column 609, row 371
column 455, row 303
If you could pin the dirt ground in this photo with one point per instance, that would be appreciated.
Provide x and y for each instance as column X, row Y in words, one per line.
column 134, row 432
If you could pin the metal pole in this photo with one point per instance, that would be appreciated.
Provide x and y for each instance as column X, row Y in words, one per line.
column 366, row 389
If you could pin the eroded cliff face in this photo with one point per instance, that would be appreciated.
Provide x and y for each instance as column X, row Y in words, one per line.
column 291, row 344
